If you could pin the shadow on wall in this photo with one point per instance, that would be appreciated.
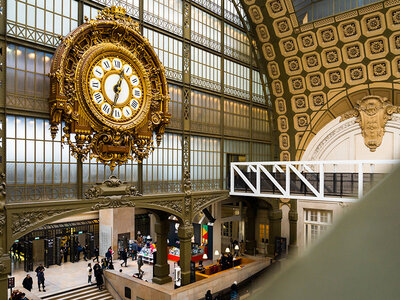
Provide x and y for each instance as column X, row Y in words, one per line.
column 358, row 259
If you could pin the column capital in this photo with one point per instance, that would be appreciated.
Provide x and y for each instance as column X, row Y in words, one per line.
column 275, row 215
column 185, row 231
column 293, row 216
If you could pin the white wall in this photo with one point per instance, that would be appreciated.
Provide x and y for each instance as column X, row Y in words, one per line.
column 344, row 141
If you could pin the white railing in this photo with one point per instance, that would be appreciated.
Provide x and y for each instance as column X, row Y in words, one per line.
column 284, row 178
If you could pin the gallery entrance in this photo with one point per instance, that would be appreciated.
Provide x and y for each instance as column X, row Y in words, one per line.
column 54, row 244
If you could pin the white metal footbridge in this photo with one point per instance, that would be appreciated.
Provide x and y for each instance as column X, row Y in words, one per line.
column 342, row 181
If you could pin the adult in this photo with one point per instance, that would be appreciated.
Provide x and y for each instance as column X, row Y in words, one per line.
column 109, row 255
column 85, row 252
column 234, row 291
column 61, row 254
column 66, row 248
column 41, row 279
column 27, row 283
column 98, row 273
column 78, row 252
column 135, row 249
column 140, row 265
column 208, row 295
column 96, row 254
column 124, row 257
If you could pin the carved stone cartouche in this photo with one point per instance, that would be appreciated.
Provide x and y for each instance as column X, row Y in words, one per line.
column 372, row 112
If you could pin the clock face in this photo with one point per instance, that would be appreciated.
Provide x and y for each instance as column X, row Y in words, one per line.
column 115, row 89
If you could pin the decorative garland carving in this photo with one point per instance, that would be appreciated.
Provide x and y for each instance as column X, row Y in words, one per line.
column 175, row 205
column 22, row 221
column 113, row 203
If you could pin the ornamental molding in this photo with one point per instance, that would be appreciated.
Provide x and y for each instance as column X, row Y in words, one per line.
column 22, row 221
column 175, row 205
column 111, row 187
column 113, row 203
column 372, row 113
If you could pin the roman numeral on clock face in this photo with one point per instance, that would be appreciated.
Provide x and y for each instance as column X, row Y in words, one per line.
column 134, row 80
column 98, row 72
column 117, row 64
column 95, row 84
column 98, row 97
column 127, row 111
column 117, row 113
column 137, row 93
column 134, row 104
column 106, row 108
column 106, row 64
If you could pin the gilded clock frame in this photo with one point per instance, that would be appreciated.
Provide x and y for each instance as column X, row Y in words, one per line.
column 112, row 143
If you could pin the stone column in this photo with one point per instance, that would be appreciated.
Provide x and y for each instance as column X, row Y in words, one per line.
column 161, row 266
column 293, row 217
column 185, row 233
column 275, row 219
column 5, row 270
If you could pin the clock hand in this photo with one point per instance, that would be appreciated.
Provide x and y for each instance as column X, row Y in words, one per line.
column 117, row 90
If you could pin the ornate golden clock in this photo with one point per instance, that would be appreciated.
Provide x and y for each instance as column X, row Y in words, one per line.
column 109, row 87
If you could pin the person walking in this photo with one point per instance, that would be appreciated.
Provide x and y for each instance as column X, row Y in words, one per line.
column 90, row 271
column 96, row 254
column 27, row 283
column 124, row 257
column 135, row 249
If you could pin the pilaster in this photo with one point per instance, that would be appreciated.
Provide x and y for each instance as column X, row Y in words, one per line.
column 293, row 218
column 161, row 267
column 185, row 233
column 275, row 221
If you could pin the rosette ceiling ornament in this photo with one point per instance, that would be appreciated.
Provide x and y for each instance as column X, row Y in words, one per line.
column 108, row 91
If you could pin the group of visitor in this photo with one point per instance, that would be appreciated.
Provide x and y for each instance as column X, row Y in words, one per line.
column 27, row 283
column 233, row 294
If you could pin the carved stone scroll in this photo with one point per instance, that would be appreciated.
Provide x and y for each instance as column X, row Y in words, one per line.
column 372, row 112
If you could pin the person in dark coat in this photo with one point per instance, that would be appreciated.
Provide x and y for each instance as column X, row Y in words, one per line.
column 109, row 255
column 124, row 257
column 234, row 291
column 41, row 279
column 98, row 273
column 27, row 282
column 208, row 295
column 66, row 248
column 96, row 254
column 85, row 252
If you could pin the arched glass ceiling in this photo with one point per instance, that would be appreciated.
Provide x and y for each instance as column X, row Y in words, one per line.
column 311, row 10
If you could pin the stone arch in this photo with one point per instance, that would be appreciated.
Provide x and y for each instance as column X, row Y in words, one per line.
column 21, row 221
column 340, row 103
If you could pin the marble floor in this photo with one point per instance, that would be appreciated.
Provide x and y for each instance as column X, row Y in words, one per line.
column 69, row 275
